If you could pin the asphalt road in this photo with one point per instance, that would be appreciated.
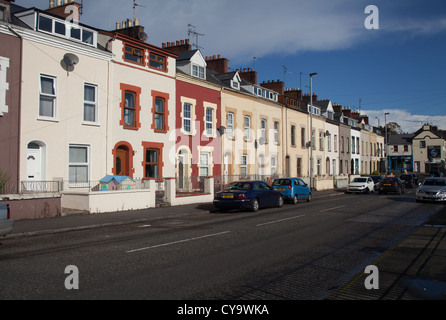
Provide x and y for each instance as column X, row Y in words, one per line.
column 298, row 252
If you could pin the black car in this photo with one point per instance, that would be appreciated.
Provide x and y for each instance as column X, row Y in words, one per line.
column 391, row 185
column 408, row 180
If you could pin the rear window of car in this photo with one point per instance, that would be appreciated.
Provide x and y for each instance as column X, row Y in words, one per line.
column 238, row 186
column 281, row 182
column 360, row 180
column 434, row 182
column 388, row 180
column 406, row 177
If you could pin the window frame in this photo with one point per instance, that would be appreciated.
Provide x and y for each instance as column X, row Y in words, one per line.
column 244, row 165
column 159, row 114
column 132, row 53
column 247, row 129
column 230, row 124
column 187, row 118
column 48, row 95
column 86, row 164
column 155, row 60
column 94, row 103
column 205, row 165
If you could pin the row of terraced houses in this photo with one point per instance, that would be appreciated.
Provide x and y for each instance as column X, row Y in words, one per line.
column 79, row 104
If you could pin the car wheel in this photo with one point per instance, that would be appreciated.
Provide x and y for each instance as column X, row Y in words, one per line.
column 295, row 199
column 309, row 198
column 255, row 205
column 280, row 202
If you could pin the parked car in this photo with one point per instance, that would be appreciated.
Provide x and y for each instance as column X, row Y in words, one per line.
column 377, row 180
column 6, row 224
column 251, row 195
column 292, row 189
column 408, row 180
column 432, row 189
column 392, row 185
column 361, row 185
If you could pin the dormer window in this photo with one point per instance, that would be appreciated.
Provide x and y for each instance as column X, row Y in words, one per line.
column 65, row 29
column 235, row 84
column 198, row 71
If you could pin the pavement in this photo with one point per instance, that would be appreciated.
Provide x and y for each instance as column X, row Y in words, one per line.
column 413, row 269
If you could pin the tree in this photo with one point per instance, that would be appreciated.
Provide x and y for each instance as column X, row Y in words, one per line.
column 392, row 128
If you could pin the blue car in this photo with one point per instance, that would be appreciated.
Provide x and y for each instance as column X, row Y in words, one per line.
column 251, row 195
column 292, row 189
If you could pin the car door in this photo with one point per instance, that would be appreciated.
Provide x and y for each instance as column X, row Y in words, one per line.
column 268, row 194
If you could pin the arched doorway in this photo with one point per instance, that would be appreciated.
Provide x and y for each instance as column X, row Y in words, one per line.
column 123, row 160
column 35, row 157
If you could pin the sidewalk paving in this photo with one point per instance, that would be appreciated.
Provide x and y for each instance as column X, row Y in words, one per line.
column 413, row 269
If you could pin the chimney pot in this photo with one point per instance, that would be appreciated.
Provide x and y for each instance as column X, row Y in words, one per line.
column 178, row 43
column 118, row 25
column 51, row 3
column 214, row 57
column 164, row 44
column 182, row 42
column 136, row 22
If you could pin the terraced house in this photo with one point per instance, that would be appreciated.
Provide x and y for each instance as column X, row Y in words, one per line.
column 108, row 104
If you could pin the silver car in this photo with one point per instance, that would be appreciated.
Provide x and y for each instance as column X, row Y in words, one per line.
column 432, row 189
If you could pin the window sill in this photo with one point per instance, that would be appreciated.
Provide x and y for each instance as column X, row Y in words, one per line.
column 47, row 119
column 92, row 124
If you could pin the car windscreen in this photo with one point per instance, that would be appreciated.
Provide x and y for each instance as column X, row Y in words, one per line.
column 360, row 180
column 238, row 186
column 434, row 182
column 281, row 182
column 406, row 177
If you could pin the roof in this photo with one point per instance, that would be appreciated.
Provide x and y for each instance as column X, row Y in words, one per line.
column 401, row 139
column 118, row 179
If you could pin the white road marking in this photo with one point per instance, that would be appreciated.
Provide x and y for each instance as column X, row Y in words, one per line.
column 177, row 242
column 332, row 208
column 266, row 223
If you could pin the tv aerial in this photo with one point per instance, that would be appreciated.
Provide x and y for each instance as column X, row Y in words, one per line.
column 134, row 8
column 192, row 31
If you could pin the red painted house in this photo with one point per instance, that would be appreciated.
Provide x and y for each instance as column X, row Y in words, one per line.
column 198, row 96
column 10, row 79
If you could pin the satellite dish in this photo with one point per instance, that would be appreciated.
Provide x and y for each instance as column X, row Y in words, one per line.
column 262, row 141
column 70, row 59
column 143, row 36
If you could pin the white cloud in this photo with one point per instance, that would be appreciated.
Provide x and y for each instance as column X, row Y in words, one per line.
column 409, row 122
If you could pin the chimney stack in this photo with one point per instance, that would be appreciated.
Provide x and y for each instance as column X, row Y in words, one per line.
column 249, row 75
column 178, row 46
column 217, row 64
column 278, row 86
column 61, row 5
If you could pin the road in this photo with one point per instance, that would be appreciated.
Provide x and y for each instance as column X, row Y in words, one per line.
column 297, row 252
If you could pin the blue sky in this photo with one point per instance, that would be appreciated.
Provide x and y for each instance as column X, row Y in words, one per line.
column 398, row 68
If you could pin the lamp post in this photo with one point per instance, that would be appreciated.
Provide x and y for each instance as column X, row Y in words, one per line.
column 311, row 130
column 387, row 143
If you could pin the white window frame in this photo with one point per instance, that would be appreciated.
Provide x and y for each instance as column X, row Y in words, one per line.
column 247, row 129
column 94, row 103
column 263, row 125
column 187, row 118
column 230, row 119
column 68, row 27
column 82, row 164
column 276, row 132
column 4, row 85
column 273, row 165
column 47, row 95
column 204, row 165
column 209, row 123
column 244, row 165
column 198, row 71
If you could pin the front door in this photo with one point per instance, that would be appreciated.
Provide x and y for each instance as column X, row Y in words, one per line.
column 122, row 162
column 181, row 172
column 33, row 165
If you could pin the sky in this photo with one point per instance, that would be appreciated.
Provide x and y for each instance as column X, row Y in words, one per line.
column 396, row 67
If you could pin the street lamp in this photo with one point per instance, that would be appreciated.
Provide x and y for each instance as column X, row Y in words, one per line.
column 311, row 129
column 387, row 143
